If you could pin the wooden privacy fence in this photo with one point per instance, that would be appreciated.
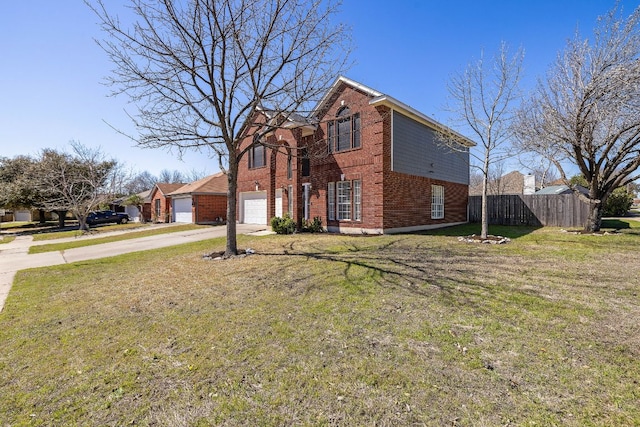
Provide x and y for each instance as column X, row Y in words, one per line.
column 561, row 210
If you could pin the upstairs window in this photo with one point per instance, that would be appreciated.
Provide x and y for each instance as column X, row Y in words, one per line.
column 343, row 133
column 306, row 162
column 257, row 156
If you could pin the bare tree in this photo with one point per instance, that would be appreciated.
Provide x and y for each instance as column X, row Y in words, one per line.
column 542, row 168
column 171, row 176
column 482, row 100
column 587, row 111
column 140, row 182
column 475, row 178
column 201, row 71
column 77, row 182
column 194, row 175
column 495, row 183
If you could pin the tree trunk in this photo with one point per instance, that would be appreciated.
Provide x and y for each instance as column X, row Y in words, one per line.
column 232, row 177
column 594, row 221
column 82, row 224
column 61, row 218
column 484, row 220
column 143, row 220
column 484, row 228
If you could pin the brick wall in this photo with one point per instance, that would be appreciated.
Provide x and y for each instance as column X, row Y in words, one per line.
column 364, row 163
column 207, row 208
column 408, row 201
column 165, row 208
column 390, row 200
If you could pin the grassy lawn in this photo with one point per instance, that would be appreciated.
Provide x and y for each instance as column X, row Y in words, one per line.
column 14, row 224
column 108, row 239
column 332, row 330
column 6, row 239
column 55, row 233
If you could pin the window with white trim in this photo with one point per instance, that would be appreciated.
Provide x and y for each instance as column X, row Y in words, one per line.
column 344, row 132
column 344, row 201
column 331, row 201
column 343, row 190
column 437, row 202
column 357, row 201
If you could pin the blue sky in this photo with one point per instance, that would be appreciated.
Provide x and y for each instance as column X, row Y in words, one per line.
column 51, row 69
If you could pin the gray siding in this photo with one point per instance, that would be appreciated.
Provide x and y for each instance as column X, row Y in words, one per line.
column 417, row 151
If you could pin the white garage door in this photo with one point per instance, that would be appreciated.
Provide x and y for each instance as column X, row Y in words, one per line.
column 254, row 207
column 182, row 210
column 22, row 216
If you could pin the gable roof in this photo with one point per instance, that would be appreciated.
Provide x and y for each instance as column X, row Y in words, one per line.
column 333, row 89
column 379, row 98
column 212, row 184
column 291, row 121
column 165, row 188
column 145, row 195
column 561, row 189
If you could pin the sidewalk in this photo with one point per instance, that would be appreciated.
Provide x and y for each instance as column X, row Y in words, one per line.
column 14, row 256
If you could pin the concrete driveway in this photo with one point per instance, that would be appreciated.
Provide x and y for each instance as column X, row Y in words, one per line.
column 14, row 256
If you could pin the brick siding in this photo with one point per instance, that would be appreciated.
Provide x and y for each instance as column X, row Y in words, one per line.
column 390, row 200
column 208, row 208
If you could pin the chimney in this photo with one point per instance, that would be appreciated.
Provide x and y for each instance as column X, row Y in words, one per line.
column 529, row 184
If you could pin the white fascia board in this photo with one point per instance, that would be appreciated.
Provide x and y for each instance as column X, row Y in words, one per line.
column 342, row 79
column 403, row 108
column 307, row 129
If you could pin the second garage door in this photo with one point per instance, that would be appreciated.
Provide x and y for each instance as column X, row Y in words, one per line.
column 182, row 210
column 254, row 207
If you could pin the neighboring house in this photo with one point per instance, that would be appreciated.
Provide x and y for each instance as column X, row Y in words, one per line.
column 512, row 183
column 363, row 162
column 133, row 211
column 23, row 215
column 560, row 189
column 161, row 201
column 26, row 215
column 202, row 201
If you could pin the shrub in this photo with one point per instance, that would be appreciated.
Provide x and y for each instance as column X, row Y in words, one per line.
column 314, row 226
column 618, row 203
column 284, row 225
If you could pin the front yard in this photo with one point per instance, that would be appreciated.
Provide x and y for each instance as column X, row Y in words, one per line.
column 332, row 330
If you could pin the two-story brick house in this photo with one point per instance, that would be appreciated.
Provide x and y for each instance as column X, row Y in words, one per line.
column 363, row 162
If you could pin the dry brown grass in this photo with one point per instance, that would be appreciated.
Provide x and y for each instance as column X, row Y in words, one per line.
column 331, row 330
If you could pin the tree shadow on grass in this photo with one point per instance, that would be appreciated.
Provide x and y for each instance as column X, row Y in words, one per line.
column 510, row 231
column 424, row 271
column 618, row 224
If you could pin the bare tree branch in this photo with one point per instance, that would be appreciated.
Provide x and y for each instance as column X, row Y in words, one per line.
column 199, row 71
column 482, row 100
column 587, row 111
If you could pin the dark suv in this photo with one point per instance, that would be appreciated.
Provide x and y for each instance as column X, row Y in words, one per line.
column 103, row 217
